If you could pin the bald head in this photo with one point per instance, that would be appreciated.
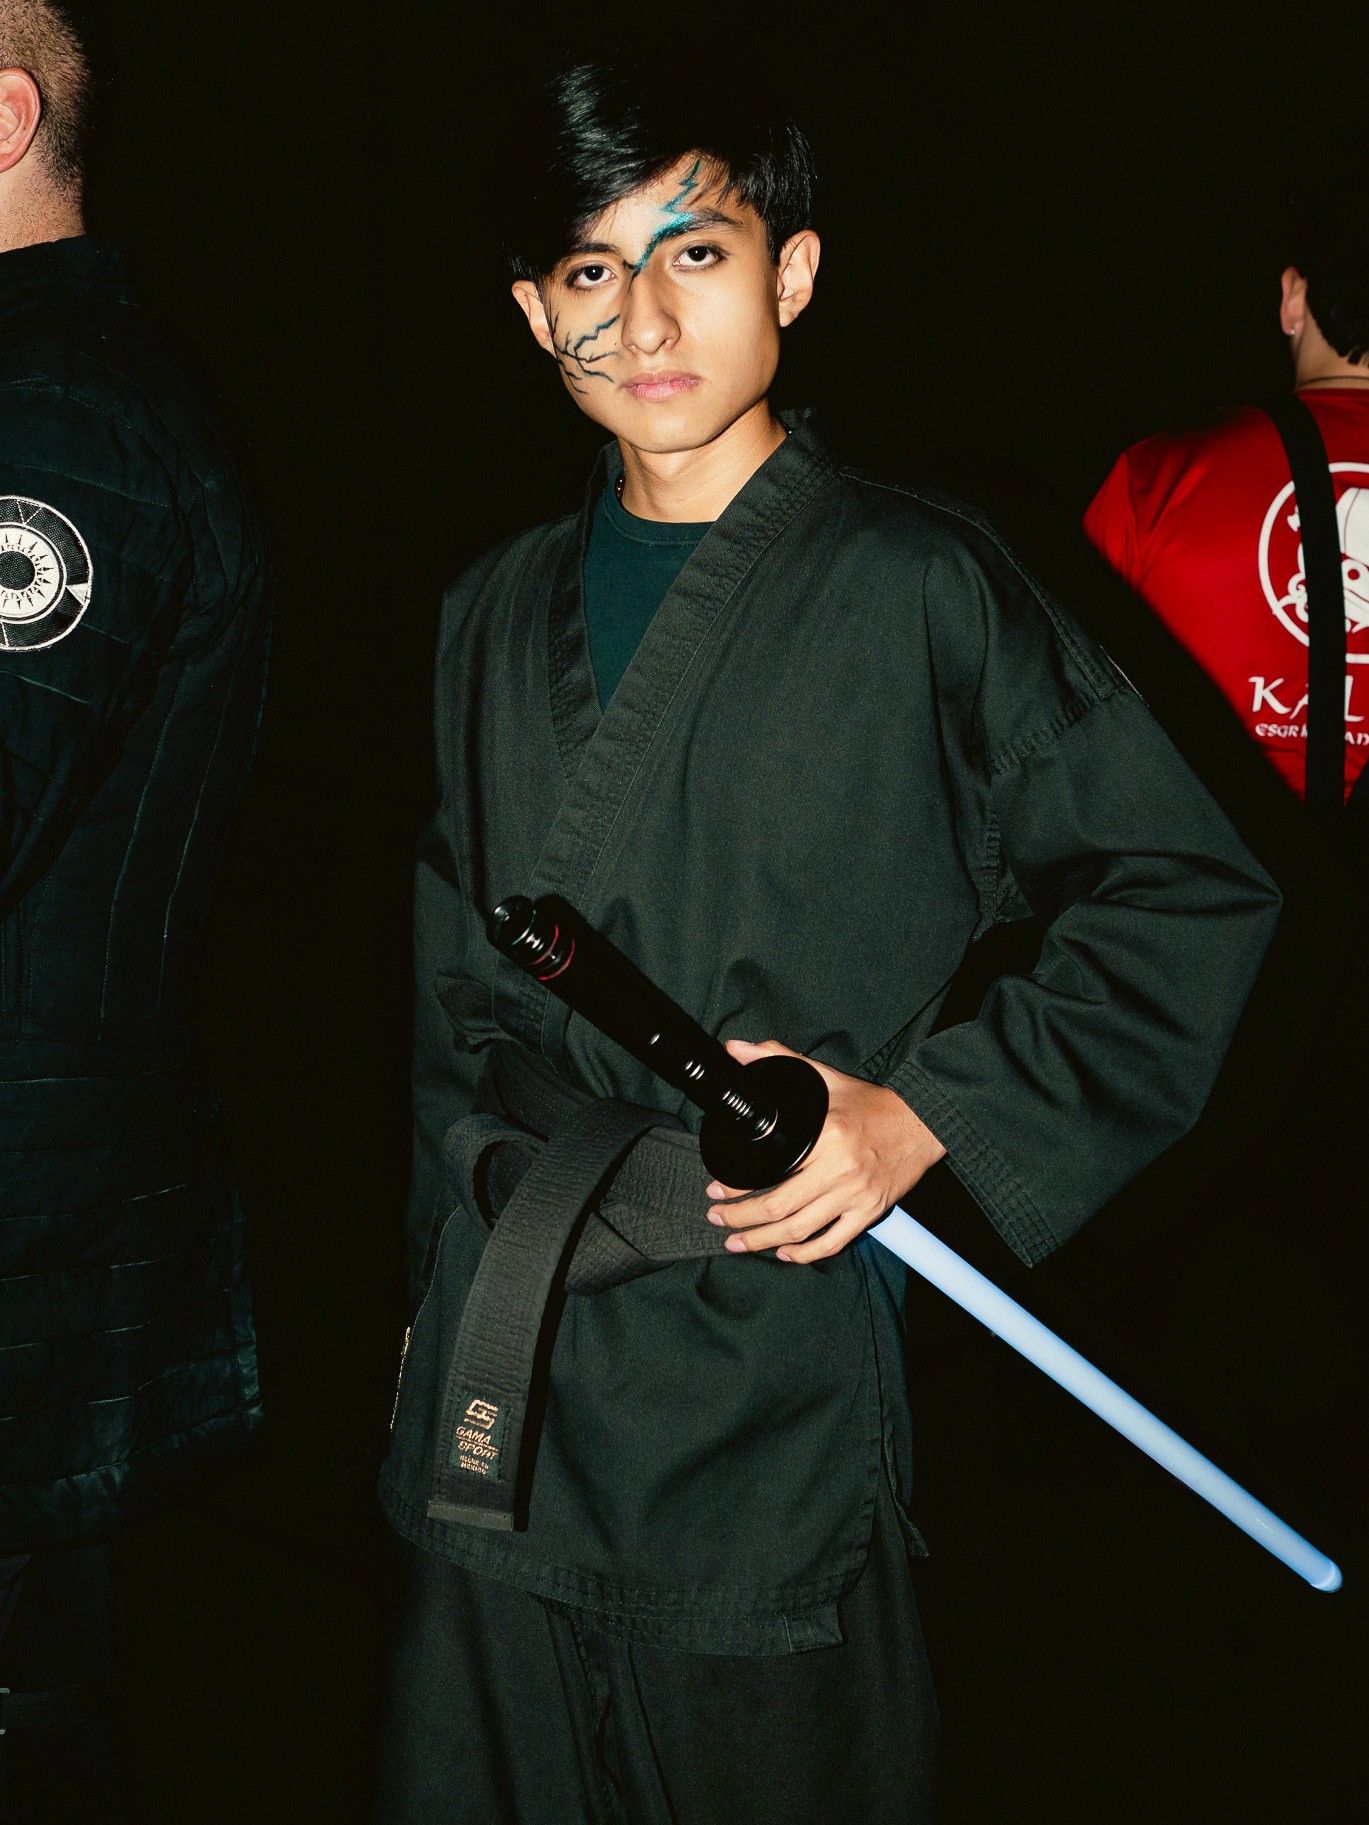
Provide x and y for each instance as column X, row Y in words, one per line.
column 39, row 40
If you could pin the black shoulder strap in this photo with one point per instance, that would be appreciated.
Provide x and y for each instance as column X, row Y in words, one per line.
column 1316, row 498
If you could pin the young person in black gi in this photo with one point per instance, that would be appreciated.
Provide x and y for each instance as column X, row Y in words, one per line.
column 793, row 736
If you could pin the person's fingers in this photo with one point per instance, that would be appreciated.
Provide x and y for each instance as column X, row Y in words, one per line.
column 799, row 1227
column 840, row 1235
column 819, row 1174
column 766, row 1207
column 744, row 1050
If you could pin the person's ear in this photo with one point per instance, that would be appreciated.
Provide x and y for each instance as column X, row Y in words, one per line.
column 529, row 300
column 795, row 273
column 1293, row 302
column 21, row 108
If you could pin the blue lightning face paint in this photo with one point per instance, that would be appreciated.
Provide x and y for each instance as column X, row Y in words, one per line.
column 675, row 220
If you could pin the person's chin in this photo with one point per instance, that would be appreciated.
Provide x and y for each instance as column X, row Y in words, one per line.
column 686, row 422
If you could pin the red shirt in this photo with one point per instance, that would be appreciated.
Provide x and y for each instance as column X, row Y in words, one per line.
column 1204, row 528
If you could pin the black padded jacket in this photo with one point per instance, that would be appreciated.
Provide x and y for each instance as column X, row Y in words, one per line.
column 133, row 617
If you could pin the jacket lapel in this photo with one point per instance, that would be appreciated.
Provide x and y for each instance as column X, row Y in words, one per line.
column 601, row 755
column 575, row 713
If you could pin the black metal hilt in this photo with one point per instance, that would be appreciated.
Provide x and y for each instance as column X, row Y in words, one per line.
column 760, row 1120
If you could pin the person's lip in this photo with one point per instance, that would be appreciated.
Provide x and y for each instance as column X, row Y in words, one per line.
column 668, row 384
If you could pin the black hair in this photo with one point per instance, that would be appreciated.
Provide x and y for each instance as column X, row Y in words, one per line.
column 41, row 36
column 602, row 129
column 1326, row 241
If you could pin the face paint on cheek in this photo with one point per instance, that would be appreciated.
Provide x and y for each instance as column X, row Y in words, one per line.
column 573, row 362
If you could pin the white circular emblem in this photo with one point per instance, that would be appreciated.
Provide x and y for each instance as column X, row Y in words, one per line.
column 1282, row 572
column 45, row 574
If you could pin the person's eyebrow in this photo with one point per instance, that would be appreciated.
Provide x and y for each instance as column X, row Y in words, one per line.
column 581, row 248
column 696, row 218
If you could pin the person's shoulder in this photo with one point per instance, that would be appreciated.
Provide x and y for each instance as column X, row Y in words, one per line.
column 103, row 359
column 923, row 528
column 901, row 507
column 104, row 423
column 522, row 562
column 1214, row 437
column 980, row 597
column 916, row 519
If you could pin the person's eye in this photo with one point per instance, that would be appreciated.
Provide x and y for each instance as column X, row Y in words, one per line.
column 700, row 255
column 589, row 278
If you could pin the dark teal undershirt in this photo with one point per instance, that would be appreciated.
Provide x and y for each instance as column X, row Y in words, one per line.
column 629, row 566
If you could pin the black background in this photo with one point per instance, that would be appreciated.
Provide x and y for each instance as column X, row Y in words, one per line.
column 1046, row 234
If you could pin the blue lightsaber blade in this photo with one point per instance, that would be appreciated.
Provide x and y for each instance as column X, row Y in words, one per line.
column 970, row 1290
column 760, row 1122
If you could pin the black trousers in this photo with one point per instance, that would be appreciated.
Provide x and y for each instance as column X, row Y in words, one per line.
column 504, row 1711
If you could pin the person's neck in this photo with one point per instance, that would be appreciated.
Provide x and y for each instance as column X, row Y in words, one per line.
column 1315, row 363
column 696, row 485
column 30, row 217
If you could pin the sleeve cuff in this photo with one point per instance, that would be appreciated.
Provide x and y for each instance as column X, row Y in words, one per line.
column 979, row 1166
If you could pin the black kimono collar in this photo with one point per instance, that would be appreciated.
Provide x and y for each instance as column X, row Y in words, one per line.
column 783, row 484
column 603, row 754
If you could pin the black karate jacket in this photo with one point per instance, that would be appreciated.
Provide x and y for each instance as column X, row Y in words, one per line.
column 855, row 736
column 132, row 647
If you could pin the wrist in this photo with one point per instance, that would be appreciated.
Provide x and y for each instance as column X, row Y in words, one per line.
column 918, row 1148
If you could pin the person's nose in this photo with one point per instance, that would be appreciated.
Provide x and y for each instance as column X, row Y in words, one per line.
column 648, row 325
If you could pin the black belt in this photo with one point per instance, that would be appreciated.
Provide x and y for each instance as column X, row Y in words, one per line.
column 544, row 1164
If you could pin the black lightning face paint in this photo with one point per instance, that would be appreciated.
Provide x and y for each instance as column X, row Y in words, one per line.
column 570, row 358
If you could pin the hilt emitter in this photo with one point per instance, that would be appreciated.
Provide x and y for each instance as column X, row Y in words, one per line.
column 529, row 937
column 760, row 1120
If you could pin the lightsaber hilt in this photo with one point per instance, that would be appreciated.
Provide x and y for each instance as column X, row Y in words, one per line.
column 760, row 1120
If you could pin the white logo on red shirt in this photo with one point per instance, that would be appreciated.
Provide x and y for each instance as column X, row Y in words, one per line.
column 1281, row 555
